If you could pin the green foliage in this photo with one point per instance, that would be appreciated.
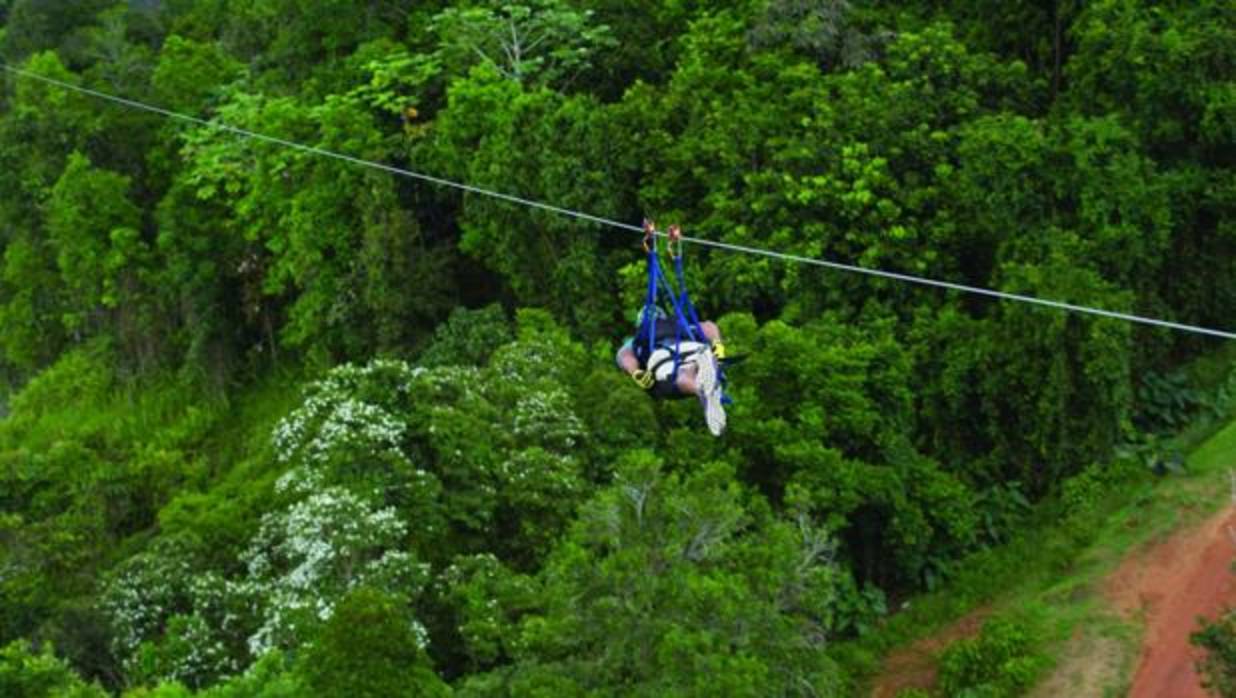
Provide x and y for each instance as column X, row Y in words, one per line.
column 189, row 72
column 1039, row 398
column 488, row 598
column 32, row 26
column 1218, row 668
column 93, row 228
column 509, row 513
column 545, row 42
column 28, row 674
column 1159, row 71
column 1003, row 660
column 536, row 143
column 673, row 584
column 468, row 338
column 270, row 677
column 305, row 559
column 88, row 459
column 472, row 454
column 1002, row 508
column 368, row 649
column 823, row 31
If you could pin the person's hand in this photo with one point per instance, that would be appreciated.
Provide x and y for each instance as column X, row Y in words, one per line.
column 642, row 378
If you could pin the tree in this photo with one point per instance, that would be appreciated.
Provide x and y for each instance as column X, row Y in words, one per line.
column 535, row 143
column 94, row 230
column 324, row 238
column 306, row 559
column 675, row 584
column 33, row 333
column 33, row 156
column 189, row 73
column 468, row 338
column 1157, row 70
column 543, row 42
column 1051, row 373
column 31, row 26
column 28, row 674
column 368, row 649
column 821, row 30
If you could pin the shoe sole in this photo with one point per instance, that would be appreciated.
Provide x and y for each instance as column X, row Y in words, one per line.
column 710, row 392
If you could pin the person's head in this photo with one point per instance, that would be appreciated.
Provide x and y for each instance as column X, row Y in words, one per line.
column 639, row 315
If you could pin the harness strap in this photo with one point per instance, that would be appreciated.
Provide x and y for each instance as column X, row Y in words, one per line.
column 674, row 353
column 648, row 328
column 686, row 319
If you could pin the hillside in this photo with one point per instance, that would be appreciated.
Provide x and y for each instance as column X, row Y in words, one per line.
column 308, row 317
column 1112, row 592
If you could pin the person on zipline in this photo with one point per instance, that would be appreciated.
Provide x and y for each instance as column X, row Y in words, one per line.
column 676, row 366
column 697, row 370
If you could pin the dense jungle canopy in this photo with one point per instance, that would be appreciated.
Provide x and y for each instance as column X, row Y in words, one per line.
column 278, row 425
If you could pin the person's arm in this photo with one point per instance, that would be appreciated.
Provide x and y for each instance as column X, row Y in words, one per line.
column 626, row 359
column 627, row 362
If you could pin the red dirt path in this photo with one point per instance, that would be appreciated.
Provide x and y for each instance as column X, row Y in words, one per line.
column 1170, row 584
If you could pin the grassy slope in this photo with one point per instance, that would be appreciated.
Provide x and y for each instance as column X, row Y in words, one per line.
column 1051, row 577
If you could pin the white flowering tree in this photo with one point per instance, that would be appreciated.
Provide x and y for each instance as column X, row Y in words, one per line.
column 474, row 458
column 172, row 621
column 143, row 595
column 309, row 556
column 387, row 469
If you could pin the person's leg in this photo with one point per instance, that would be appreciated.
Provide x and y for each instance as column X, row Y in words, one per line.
column 709, row 391
column 713, row 334
column 686, row 380
column 711, row 331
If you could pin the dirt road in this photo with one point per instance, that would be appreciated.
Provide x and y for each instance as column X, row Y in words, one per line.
column 1165, row 586
column 1169, row 585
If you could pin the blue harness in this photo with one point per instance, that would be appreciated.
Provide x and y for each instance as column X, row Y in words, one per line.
column 653, row 332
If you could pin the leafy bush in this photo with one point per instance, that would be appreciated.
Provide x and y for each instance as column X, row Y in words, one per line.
column 468, row 338
column 1001, row 662
column 369, row 649
column 1002, row 508
column 1224, row 399
column 28, row 674
column 270, row 677
column 1218, row 668
column 1166, row 402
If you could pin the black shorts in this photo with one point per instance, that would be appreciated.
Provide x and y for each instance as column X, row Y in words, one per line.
column 666, row 390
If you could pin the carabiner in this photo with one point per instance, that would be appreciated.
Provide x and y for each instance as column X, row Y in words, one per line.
column 675, row 238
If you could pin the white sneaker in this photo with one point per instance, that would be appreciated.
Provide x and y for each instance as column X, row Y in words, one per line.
column 709, row 390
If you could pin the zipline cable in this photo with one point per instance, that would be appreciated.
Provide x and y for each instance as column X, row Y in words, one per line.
column 731, row 247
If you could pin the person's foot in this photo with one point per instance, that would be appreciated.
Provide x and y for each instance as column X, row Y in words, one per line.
column 709, row 390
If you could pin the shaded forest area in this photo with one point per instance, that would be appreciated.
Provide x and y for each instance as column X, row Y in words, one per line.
column 278, row 425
